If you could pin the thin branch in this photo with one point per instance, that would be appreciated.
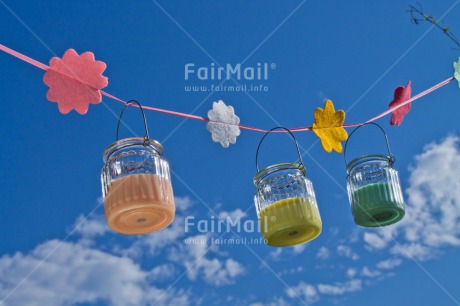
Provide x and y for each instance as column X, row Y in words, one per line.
column 417, row 16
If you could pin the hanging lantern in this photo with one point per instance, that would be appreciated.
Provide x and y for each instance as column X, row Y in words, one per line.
column 285, row 202
column 136, row 184
column 373, row 188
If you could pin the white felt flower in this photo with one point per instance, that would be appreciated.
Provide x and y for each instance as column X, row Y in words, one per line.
column 223, row 124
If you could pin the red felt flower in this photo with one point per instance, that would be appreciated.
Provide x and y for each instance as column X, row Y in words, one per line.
column 75, row 81
column 401, row 95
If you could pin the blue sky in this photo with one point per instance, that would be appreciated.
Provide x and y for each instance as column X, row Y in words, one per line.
column 55, row 248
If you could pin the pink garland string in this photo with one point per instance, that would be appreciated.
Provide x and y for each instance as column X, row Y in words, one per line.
column 241, row 126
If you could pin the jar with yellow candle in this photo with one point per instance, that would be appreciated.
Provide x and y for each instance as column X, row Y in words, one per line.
column 285, row 202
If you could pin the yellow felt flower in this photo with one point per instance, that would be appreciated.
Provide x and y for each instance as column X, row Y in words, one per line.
column 328, row 127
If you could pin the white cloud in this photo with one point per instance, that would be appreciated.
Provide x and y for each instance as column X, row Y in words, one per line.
column 157, row 242
column 194, row 257
column 296, row 249
column 389, row 263
column 68, row 273
column 233, row 215
column 272, row 302
column 291, row 271
column 304, row 292
column 90, row 227
column 182, row 203
column 311, row 293
column 75, row 273
column 365, row 271
column 344, row 250
column 323, row 253
column 432, row 218
column 276, row 254
column 299, row 248
column 340, row 288
column 201, row 260
column 162, row 272
column 351, row 272
column 377, row 241
column 209, row 264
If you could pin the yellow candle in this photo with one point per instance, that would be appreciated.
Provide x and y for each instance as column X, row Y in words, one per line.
column 290, row 221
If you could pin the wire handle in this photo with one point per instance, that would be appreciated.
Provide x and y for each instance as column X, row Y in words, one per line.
column 390, row 155
column 268, row 132
column 146, row 137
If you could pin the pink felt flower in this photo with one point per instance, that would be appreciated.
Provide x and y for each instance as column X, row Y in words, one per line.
column 401, row 95
column 75, row 81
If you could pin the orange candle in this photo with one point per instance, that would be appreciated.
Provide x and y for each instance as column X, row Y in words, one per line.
column 139, row 204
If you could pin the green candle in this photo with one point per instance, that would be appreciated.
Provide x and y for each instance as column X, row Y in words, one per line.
column 378, row 204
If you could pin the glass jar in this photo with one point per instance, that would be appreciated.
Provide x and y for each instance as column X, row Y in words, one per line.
column 374, row 190
column 286, row 204
column 136, row 186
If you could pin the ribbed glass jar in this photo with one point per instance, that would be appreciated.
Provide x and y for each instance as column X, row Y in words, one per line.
column 286, row 205
column 136, row 187
column 374, row 191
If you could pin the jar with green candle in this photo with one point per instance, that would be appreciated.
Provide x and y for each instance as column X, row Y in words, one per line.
column 285, row 202
column 374, row 189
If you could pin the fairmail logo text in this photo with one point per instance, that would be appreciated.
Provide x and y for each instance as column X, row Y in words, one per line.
column 237, row 72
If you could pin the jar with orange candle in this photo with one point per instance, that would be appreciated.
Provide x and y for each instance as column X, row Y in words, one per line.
column 136, row 184
column 285, row 202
